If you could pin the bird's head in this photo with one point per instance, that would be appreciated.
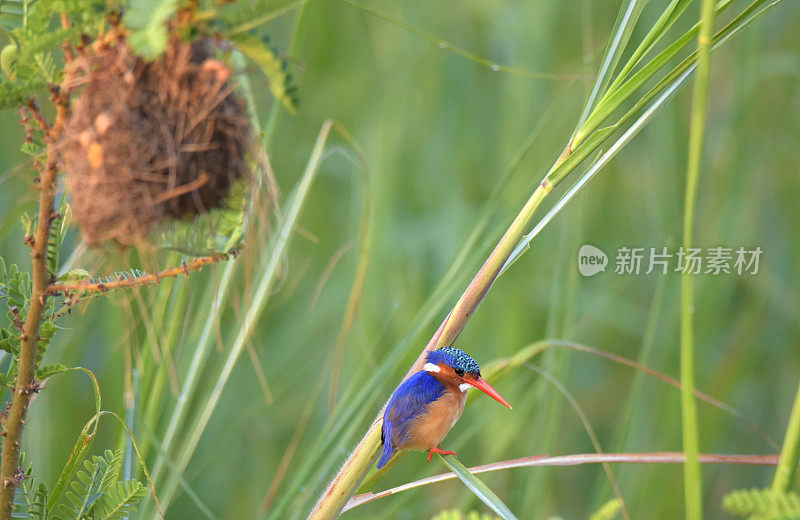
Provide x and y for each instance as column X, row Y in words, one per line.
column 454, row 366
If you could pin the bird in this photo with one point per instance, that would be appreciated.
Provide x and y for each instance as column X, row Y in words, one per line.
column 426, row 405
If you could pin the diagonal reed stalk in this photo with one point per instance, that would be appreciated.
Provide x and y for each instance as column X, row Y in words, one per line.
column 346, row 482
column 585, row 140
column 693, row 489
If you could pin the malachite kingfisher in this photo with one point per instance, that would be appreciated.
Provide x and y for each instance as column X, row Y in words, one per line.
column 427, row 404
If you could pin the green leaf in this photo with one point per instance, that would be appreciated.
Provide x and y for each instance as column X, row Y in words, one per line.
column 670, row 15
column 101, row 473
column 46, row 332
column 34, row 149
column 13, row 94
column 221, row 230
column 82, row 444
column 478, row 488
column 75, row 276
column 120, row 500
column 273, row 67
column 623, row 28
column 233, row 14
column 763, row 503
column 58, row 230
column 38, row 507
column 617, row 95
column 608, row 511
column 25, row 496
column 149, row 20
column 8, row 60
column 50, row 370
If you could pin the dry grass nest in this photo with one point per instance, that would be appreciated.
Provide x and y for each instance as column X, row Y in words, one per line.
column 149, row 141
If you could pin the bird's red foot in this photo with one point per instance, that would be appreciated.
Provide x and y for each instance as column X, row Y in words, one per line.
column 440, row 451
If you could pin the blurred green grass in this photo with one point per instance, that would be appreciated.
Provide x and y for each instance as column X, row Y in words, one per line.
column 438, row 131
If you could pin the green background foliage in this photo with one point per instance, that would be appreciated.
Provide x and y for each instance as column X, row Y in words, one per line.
column 437, row 132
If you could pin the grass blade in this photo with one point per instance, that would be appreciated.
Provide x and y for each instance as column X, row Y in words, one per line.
column 587, row 425
column 477, row 487
column 629, row 134
column 670, row 15
column 260, row 299
column 614, row 99
column 790, row 453
column 693, row 490
column 626, row 21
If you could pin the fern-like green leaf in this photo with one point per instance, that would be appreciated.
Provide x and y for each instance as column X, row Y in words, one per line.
column 30, row 501
column 32, row 42
column 148, row 19
column 75, row 276
column 49, row 371
column 114, row 460
column 38, row 509
column 15, row 290
column 763, row 504
column 35, row 149
column 273, row 67
column 29, row 24
column 23, row 495
column 46, row 332
column 120, row 500
column 90, row 485
column 58, row 231
column 13, row 94
column 221, row 230
column 8, row 60
column 234, row 14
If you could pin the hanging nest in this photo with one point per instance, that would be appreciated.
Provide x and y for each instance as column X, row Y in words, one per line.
column 149, row 141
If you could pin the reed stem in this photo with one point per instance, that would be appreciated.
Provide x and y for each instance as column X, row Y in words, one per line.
column 691, row 469
column 346, row 482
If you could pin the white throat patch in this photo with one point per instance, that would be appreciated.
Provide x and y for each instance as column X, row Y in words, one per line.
column 464, row 387
column 430, row 367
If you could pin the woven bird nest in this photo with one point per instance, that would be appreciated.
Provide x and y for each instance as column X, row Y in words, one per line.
column 148, row 141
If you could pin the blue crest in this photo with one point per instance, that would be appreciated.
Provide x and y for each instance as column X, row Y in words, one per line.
column 454, row 357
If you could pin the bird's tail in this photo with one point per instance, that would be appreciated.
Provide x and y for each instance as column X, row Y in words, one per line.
column 386, row 455
column 388, row 450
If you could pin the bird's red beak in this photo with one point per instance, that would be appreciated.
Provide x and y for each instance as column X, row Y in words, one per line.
column 487, row 389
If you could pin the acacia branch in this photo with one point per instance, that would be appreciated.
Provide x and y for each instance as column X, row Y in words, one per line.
column 147, row 279
column 26, row 385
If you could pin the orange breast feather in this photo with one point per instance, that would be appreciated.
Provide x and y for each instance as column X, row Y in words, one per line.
column 430, row 427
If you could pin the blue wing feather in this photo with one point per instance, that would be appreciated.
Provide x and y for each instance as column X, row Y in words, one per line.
column 409, row 400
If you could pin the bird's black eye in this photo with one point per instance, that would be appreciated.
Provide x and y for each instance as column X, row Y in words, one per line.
column 459, row 372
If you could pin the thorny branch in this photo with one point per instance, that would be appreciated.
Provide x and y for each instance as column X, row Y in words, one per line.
column 26, row 386
column 147, row 279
